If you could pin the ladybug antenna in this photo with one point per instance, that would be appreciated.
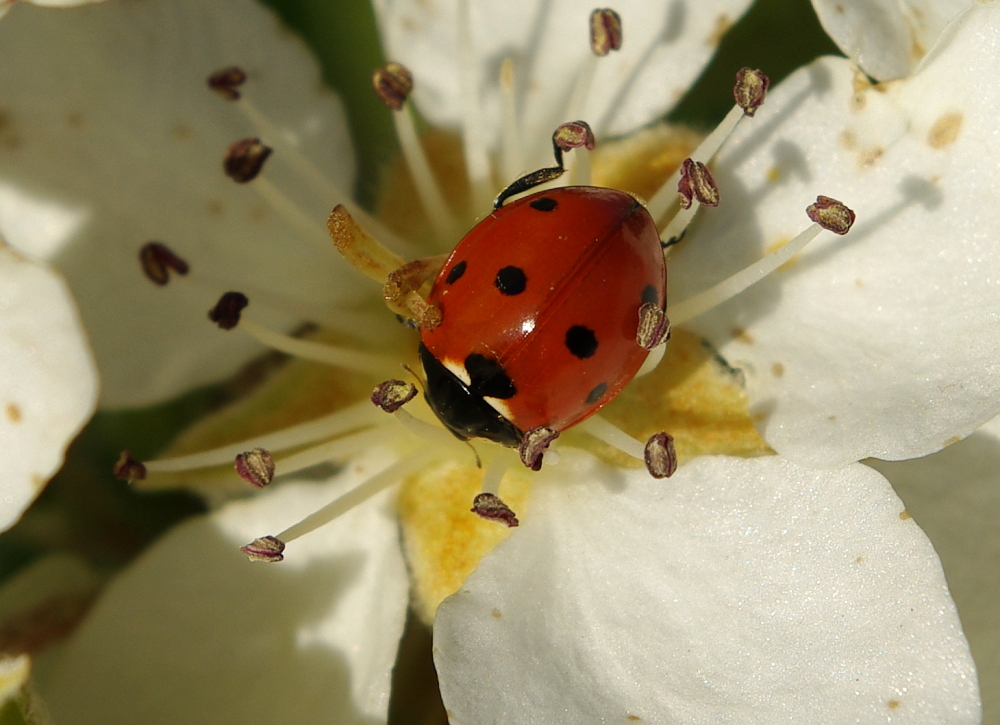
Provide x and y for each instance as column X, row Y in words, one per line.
column 568, row 136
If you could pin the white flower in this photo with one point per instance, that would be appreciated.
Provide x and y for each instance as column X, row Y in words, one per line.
column 749, row 589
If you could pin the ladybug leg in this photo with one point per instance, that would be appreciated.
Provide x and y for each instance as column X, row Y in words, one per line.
column 567, row 137
column 400, row 280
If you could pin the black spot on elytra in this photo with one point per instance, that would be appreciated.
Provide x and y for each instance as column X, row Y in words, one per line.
column 456, row 273
column 649, row 295
column 488, row 378
column 511, row 281
column 581, row 341
column 594, row 395
column 544, row 204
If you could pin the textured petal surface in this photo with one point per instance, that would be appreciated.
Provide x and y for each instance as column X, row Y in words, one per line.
column 886, row 38
column 665, row 46
column 193, row 632
column 742, row 590
column 48, row 384
column 110, row 138
column 885, row 342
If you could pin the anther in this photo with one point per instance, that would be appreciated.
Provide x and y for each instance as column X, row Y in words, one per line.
column 574, row 135
column 661, row 458
column 158, row 261
column 605, row 31
column 393, row 84
column 489, row 506
column 256, row 467
column 831, row 214
column 266, row 548
column 226, row 313
column 696, row 183
column 226, row 82
column 534, row 444
column 392, row 395
column 654, row 327
column 245, row 159
column 128, row 469
column 750, row 90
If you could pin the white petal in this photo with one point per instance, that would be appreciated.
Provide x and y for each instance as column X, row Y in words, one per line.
column 886, row 38
column 885, row 342
column 48, row 384
column 954, row 495
column 665, row 47
column 193, row 632
column 742, row 590
column 110, row 138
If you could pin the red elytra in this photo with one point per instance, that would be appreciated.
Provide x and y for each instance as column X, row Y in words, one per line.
column 540, row 307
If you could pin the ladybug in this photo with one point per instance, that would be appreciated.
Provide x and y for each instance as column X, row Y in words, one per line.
column 540, row 306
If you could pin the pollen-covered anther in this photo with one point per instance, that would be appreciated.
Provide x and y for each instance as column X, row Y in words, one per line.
column 158, row 261
column 574, row 135
column 227, row 81
column 129, row 469
column 654, row 327
column 226, row 313
column 266, row 548
column 696, row 183
column 392, row 395
column 605, row 31
column 256, row 467
column 489, row 506
column 660, row 456
column 245, row 159
column 831, row 214
column 750, row 90
column 393, row 84
column 534, row 444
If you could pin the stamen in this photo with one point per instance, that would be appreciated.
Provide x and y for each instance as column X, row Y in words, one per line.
column 358, row 495
column 356, row 416
column 335, row 450
column 226, row 313
column 392, row 395
column 652, row 360
column 266, row 548
column 158, row 261
column 654, row 327
column 605, row 31
column 489, row 506
column 660, row 456
column 128, row 469
column 393, row 84
column 834, row 213
column 227, row 81
column 288, row 210
column 511, row 158
column 477, row 162
column 245, row 159
column 566, row 137
column 495, row 471
column 750, row 90
column 534, row 444
column 697, row 184
column 615, row 437
column 256, row 467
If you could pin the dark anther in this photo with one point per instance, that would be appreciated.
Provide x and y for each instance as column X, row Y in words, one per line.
column 256, row 467
column 266, row 548
column 393, row 84
column 490, row 507
column 831, row 214
column 245, row 159
column 661, row 458
column 392, row 395
column 227, row 81
column 697, row 183
column 605, row 31
column 226, row 313
column 750, row 90
column 129, row 469
column 654, row 327
column 534, row 444
column 158, row 261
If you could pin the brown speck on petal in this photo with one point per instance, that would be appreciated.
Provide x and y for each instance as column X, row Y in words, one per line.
column 227, row 81
column 266, row 548
column 831, row 215
column 489, row 506
column 392, row 395
column 393, row 84
column 574, row 135
column 129, row 469
column 158, row 261
column 696, row 183
column 654, row 327
column 605, row 31
column 226, row 313
column 256, row 467
column 534, row 444
column 661, row 458
column 750, row 90
column 245, row 159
